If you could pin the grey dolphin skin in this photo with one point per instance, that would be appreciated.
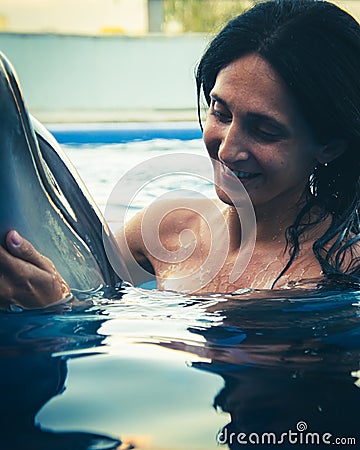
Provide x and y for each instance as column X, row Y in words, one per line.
column 43, row 198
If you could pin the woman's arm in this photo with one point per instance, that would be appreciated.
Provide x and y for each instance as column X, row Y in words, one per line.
column 134, row 252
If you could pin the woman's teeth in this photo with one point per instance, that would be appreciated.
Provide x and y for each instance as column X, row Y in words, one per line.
column 241, row 174
column 244, row 174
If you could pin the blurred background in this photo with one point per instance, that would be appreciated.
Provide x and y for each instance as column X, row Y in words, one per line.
column 113, row 60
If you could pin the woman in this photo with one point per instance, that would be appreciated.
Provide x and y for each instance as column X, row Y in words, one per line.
column 283, row 94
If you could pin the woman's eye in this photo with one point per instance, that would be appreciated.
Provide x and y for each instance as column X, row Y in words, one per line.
column 219, row 112
column 225, row 118
column 265, row 133
column 220, row 115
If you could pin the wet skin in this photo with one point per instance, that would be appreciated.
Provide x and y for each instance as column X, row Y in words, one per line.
column 255, row 130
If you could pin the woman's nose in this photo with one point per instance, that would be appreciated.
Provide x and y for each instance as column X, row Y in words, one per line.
column 233, row 146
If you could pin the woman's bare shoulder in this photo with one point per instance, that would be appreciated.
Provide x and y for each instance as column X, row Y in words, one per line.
column 350, row 260
column 355, row 249
column 168, row 218
column 175, row 213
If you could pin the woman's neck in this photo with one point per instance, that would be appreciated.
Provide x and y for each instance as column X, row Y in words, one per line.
column 271, row 225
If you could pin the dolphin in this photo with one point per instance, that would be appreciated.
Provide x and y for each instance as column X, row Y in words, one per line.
column 43, row 197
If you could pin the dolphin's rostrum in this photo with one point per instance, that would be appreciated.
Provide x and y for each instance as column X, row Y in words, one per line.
column 44, row 199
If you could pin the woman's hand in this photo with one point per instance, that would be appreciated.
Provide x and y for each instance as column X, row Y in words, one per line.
column 27, row 278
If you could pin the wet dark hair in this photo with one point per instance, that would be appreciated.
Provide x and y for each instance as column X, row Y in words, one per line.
column 314, row 46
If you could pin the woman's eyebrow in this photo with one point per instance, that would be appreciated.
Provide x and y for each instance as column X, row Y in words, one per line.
column 218, row 99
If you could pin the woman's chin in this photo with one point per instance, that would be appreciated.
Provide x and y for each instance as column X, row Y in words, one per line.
column 234, row 198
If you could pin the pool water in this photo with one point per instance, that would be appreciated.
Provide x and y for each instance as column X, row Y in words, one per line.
column 145, row 369
column 102, row 167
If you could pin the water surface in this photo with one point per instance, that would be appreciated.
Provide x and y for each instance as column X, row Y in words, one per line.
column 162, row 370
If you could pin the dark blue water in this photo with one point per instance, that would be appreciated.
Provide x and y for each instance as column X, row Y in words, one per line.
column 164, row 371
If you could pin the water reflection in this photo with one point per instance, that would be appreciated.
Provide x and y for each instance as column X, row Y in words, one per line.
column 288, row 368
column 30, row 376
column 150, row 365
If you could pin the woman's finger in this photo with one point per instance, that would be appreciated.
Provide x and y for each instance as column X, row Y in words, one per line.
column 23, row 249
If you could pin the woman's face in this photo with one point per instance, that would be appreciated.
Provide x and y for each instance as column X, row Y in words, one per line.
column 255, row 129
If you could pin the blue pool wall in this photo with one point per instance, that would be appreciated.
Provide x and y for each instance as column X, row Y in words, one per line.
column 75, row 134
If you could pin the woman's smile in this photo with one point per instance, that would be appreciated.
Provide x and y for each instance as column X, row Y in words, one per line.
column 242, row 174
column 229, row 178
column 256, row 131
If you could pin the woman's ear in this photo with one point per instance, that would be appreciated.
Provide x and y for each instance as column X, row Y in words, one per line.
column 330, row 151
